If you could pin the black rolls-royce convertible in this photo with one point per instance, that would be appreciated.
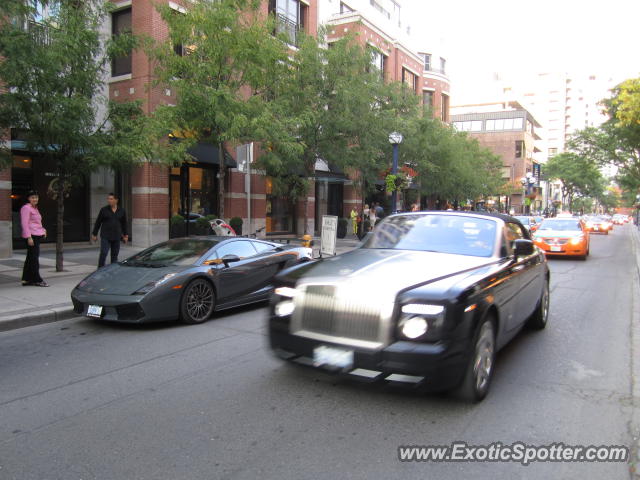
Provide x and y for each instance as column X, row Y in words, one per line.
column 429, row 298
column 186, row 279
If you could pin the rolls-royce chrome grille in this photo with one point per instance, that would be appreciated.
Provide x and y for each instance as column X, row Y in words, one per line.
column 320, row 311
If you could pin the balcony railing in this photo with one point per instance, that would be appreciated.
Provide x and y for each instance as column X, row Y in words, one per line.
column 287, row 27
column 39, row 32
column 441, row 71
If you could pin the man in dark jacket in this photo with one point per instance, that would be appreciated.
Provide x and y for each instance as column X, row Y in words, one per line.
column 112, row 223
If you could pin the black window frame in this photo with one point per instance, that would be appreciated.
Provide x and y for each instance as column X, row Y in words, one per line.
column 122, row 65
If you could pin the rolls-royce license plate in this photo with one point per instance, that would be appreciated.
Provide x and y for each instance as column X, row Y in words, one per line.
column 332, row 357
column 94, row 311
column 556, row 248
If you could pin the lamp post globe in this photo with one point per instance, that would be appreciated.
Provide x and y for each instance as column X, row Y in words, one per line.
column 395, row 138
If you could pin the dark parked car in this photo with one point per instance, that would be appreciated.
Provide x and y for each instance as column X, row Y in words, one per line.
column 529, row 223
column 186, row 279
column 428, row 298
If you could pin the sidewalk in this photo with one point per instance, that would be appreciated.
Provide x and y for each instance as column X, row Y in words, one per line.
column 25, row 306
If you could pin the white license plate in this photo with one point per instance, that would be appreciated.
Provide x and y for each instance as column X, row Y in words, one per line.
column 332, row 357
column 595, row 228
column 94, row 311
column 556, row 248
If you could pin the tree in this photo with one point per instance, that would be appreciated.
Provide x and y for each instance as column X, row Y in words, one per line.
column 451, row 165
column 53, row 72
column 221, row 75
column 625, row 104
column 578, row 174
column 333, row 109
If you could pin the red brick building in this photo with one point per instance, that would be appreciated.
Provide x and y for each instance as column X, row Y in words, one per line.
column 509, row 131
column 154, row 194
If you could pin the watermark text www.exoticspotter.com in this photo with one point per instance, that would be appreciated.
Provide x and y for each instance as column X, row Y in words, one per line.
column 515, row 452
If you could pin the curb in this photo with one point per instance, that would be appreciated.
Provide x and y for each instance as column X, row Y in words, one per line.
column 38, row 317
column 634, row 424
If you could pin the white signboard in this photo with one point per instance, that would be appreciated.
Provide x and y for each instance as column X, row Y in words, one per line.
column 328, row 235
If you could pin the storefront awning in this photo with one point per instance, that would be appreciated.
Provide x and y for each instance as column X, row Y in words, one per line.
column 208, row 153
column 331, row 177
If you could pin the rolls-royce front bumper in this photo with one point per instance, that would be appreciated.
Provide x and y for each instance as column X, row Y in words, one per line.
column 437, row 366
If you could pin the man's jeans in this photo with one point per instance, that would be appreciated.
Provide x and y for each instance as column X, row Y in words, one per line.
column 105, row 246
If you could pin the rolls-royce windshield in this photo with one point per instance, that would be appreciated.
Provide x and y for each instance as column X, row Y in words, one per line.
column 459, row 235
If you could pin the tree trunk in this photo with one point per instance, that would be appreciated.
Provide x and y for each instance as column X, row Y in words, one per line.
column 60, row 222
column 221, row 178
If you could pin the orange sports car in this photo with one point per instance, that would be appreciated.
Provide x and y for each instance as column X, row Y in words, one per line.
column 562, row 236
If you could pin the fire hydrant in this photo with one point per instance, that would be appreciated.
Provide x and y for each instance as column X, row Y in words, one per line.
column 307, row 241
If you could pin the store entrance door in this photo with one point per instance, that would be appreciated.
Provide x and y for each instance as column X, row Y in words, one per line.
column 194, row 196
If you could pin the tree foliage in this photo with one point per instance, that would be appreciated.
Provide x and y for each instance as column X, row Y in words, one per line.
column 579, row 175
column 53, row 72
column 224, row 70
column 617, row 141
column 626, row 104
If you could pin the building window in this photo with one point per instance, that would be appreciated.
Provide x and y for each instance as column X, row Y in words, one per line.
column 427, row 98
column 377, row 60
column 468, row 126
column 444, row 112
column 505, row 124
column 290, row 18
column 344, row 8
column 427, row 61
column 443, row 65
column 121, row 24
column 410, row 79
column 552, row 152
column 519, row 148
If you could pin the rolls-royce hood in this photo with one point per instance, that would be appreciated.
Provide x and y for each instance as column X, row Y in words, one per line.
column 390, row 271
column 119, row 279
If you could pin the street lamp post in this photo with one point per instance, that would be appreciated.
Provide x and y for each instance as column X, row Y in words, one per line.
column 528, row 181
column 395, row 139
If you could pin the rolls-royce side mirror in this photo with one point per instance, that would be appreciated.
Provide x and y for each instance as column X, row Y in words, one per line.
column 523, row 247
column 230, row 258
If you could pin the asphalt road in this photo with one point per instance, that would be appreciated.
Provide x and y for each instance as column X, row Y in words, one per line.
column 87, row 400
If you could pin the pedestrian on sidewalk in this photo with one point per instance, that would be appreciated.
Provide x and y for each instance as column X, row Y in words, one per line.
column 33, row 232
column 112, row 223
column 372, row 216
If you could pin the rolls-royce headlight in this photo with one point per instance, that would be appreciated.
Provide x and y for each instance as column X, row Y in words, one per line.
column 414, row 327
column 422, row 309
column 421, row 321
column 286, row 292
column 284, row 308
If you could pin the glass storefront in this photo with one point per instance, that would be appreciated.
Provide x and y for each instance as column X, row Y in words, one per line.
column 193, row 194
column 32, row 172
column 280, row 211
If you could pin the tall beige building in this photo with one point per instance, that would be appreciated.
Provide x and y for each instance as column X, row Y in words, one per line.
column 562, row 102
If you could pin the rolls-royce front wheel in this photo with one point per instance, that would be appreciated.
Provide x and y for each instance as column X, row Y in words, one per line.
column 538, row 320
column 479, row 372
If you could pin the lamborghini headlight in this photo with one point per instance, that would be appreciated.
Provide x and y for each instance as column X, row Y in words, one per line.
column 151, row 285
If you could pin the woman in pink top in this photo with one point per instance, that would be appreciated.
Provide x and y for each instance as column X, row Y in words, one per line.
column 33, row 233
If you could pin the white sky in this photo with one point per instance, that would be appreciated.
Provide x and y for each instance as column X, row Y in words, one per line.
column 479, row 38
